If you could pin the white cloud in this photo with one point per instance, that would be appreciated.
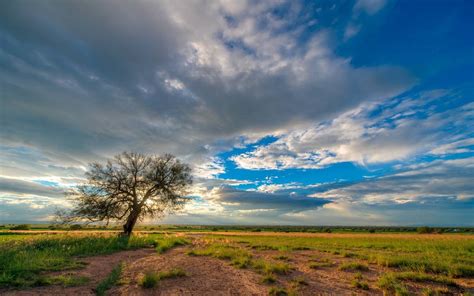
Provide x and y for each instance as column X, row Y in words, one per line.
column 369, row 6
column 404, row 128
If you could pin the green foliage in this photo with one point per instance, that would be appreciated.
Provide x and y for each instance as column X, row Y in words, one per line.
column 150, row 280
column 168, row 243
column 281, row 257
column 360, row 284
column 269, row 279
column 110, row 280
column 389, row 284
column 424, row 277
column 424, row 229
column 173, row 273
column 299, row 280
column 21, row 227
column 75, row 227
column 444, row 254
column 270, row 267
column 277, row 291
column 63, row 280
column 24, row 257
column 353, row 266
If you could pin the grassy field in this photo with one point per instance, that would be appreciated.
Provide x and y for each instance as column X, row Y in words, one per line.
column 398, row 264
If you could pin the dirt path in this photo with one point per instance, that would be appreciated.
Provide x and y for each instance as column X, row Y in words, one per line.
column 205, row 276
column 97, row 268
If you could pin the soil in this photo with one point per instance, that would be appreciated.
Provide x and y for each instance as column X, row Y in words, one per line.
column 210, row 276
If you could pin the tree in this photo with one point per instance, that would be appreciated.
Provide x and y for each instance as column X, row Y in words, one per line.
column 129, row 188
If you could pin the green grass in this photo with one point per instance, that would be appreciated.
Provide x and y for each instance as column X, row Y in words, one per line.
column 392, row 286
column 265, row 266
column 450, row 255
column 359, row 284
column 281, row 257
column 277, row 291
column 167, row 243
column 110, row 280
column 173, row 273
column 424, row 277
column 241, row 258
column 23, row 258
column 62, row 280
column 151, row 278
column 299, row 281
column 316, row 265
column 269, row 279
column 353, row 266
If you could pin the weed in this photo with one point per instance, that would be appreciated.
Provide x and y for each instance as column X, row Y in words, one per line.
column 424, row 277
column 269, row 279
column 63, row 280
column 270, row 267
column 174, row 273
column 389, row 284
column 168, row 243
column 316, row 265
column 353, row 266
column 150, row 280
column 281, row 257
column 277, row 291
column 299, row 280
column 109, row 281
column 359, row 284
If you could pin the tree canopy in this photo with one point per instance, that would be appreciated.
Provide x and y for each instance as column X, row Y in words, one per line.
column 130, row 187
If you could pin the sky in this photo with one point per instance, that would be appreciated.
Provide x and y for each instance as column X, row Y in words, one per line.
column 352, row 112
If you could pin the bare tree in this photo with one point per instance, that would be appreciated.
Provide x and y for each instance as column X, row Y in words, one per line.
column 131, row 187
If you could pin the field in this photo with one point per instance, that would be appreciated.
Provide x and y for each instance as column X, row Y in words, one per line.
column 235, row 263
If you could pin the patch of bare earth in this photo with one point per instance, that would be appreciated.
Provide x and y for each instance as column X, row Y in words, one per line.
column 97, row 268
column 327, row 280
column 204, row 276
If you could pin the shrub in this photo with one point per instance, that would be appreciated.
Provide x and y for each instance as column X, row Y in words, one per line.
column 21, row 227
column 424, row 230
column 75, row 227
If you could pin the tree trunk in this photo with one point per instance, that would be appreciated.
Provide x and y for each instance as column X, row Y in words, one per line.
column 131, row 221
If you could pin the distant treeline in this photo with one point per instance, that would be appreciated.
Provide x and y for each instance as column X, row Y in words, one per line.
column 255, row 228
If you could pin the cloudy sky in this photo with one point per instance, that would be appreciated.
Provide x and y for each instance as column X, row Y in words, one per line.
column 349, row 112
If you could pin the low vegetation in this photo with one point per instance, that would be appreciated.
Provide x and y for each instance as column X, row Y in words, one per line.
column 404, row 264
column 353, row 266
column 24, row 259
column 151, row 278
column 169, row 242
column 111, row 280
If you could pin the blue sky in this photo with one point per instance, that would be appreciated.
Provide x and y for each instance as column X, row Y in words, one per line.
column 290, row 112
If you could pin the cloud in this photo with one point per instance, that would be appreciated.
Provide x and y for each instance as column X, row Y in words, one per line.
column 402, row 128
column 169, row 76
column 426, row 184
column 369, row 6
column 255, row 201
column 13, row 186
